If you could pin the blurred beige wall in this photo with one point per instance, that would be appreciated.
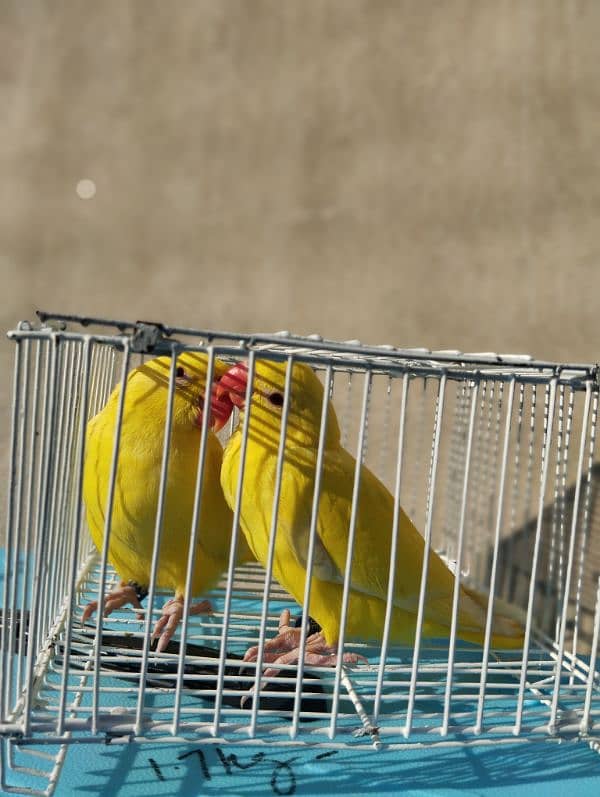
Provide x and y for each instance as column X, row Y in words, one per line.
column 419, row 173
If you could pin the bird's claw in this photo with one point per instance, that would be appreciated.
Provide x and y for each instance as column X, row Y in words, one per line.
column 115, row 599
column 284, row 649
column 287, row 639
column 172, row 614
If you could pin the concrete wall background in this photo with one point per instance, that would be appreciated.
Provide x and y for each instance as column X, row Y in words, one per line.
column 420, row 173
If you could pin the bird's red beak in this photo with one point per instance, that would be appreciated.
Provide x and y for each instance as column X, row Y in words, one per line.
column 228, row 392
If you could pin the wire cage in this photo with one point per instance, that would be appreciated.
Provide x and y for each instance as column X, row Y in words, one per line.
column 492, row 458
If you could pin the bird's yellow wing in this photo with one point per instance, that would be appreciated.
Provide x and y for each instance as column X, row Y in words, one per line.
column 370, row 564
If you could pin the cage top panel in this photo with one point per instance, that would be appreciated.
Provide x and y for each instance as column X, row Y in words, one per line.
column 158, row 338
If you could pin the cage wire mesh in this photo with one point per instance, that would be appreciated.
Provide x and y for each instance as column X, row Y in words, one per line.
column 493, row 459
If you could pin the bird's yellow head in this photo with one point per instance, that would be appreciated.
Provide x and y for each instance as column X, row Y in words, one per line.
column 268, row 397
column 148, row 389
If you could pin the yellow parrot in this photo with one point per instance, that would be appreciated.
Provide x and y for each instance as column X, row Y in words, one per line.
column 370, row 563
column 137, row 487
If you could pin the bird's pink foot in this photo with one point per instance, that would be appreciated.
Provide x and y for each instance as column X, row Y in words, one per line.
column 286, row 640
column 172, row 614
column 284, row 649
column 119, row 596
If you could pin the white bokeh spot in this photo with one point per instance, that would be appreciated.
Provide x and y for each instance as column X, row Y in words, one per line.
column 86, row 189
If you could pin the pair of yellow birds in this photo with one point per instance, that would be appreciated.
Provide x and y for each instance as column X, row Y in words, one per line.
column 136, row 497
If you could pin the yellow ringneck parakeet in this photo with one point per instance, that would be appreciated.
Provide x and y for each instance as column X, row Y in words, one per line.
column 370, row 563
column 137, row 487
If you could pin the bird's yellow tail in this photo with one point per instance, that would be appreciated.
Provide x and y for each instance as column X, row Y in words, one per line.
column 507, row 624
column 507, row 628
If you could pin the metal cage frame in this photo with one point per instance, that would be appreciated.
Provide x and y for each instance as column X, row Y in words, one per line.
column 476, row 446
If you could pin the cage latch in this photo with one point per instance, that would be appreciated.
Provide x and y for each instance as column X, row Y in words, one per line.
column 145, row 337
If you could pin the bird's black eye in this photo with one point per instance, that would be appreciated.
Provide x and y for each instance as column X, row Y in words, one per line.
column 276, row 399
column 180, row 372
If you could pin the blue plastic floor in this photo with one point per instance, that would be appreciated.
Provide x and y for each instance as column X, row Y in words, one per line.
column 543, row 768
column 537, row 769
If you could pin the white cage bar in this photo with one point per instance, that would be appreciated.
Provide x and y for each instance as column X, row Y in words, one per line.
column 493, row 458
